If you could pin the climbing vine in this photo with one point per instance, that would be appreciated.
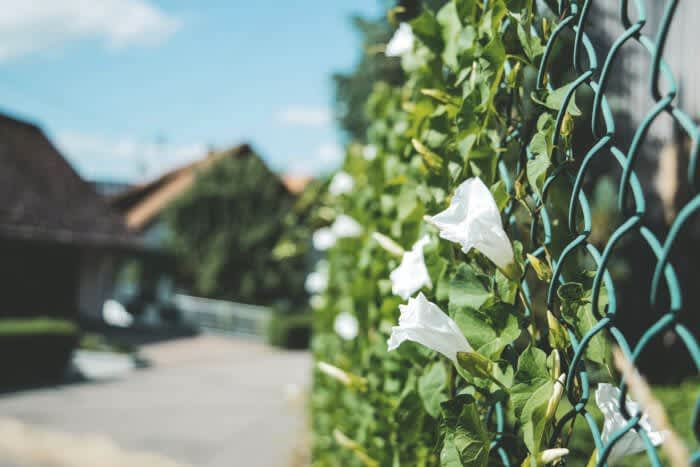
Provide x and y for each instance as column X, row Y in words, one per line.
column 439, row 337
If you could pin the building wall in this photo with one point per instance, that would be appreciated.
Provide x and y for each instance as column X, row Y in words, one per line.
column 38, row 279
column 630, row 77
column 97, row 278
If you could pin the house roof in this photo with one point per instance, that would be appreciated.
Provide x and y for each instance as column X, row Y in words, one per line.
column 296, row 183
column 142, row 204
column 43, row 198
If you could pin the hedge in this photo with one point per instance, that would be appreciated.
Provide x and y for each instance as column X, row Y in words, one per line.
column 429, row 348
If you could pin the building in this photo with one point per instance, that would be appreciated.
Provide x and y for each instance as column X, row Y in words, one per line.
column 60, row 242
column 150, row 284
column 142, row 205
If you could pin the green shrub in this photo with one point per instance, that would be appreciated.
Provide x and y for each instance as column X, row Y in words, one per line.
column 479, row 386
column 289, row 331
column 34, row 350
column 36, row 326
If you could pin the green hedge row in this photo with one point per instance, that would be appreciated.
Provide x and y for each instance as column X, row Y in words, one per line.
column 429, row 351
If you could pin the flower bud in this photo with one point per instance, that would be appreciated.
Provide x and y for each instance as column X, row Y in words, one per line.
column 550, row 455
column 388, row 244
column 476, row 364
column 556, row 397
column 557, row 334
column 348, row 379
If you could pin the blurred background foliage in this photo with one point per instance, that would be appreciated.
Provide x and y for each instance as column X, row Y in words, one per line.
column 225, row 230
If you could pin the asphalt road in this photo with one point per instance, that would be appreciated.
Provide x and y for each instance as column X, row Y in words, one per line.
column 207, row 402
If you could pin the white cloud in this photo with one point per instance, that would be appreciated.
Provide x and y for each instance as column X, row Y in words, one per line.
column 99, row 157
column 327, row 157
column 304, row 116
column 28, row 26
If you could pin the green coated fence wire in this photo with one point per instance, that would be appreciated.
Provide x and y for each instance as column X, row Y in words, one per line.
column 573, row 20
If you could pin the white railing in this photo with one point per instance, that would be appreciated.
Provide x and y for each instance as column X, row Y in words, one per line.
column 223, row 316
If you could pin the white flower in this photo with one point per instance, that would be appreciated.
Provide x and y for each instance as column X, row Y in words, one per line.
column 316, row 282
column 341, row 184
column 115, row 314
column 473, row 221
column 411, row 274
column 317, row 302
column 323, row 239
column 369, row 152
column 345, row 226
column 607, row 397
column 401, row 42
column 346, row 326
column 388, row 244
column 424, row 322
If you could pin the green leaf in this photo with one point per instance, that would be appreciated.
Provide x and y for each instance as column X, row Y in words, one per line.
column 530, row 395
column 468, row 433
column 489, row 330
column 542, row 269
column 466, row 289
column 449, row 456
column 555, row 99
column 426, row 28
column 531, row 374
column 494, row 52
column 537, row 170
column 431, row 388
column 500, row 195
column 431, row 159
column 599, row 348
column 406, row 203
column 451, row 27
column 531, row 43
column 507, row 287
column 533, row 416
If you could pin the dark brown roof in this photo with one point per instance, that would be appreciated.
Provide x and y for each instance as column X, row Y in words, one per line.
column 142, row 204
column 43, row 198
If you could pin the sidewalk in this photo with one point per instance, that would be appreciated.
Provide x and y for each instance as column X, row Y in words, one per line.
column 207, row 402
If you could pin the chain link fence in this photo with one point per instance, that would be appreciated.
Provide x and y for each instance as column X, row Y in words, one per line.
column 664, row 293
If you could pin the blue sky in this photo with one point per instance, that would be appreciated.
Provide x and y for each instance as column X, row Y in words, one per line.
column 129, row 88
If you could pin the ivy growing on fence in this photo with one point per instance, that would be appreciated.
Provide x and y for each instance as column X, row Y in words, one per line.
column 465, row 313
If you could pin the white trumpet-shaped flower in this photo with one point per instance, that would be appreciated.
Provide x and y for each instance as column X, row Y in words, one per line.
column 424, row 322
column 323, row 239
column 369, row 152
column 316, row 282
column 341, row 184
column 346, row 326
column 401, row 42
column 412, row 274
column 345, row 226
column 607, row 398
column 473, row 221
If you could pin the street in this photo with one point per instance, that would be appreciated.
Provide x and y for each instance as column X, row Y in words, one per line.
column 206, row 401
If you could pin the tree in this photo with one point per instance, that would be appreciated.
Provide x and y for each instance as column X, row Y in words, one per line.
column 224, row 231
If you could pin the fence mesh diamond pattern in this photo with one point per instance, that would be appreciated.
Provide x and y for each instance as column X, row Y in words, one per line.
column 596, row 74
